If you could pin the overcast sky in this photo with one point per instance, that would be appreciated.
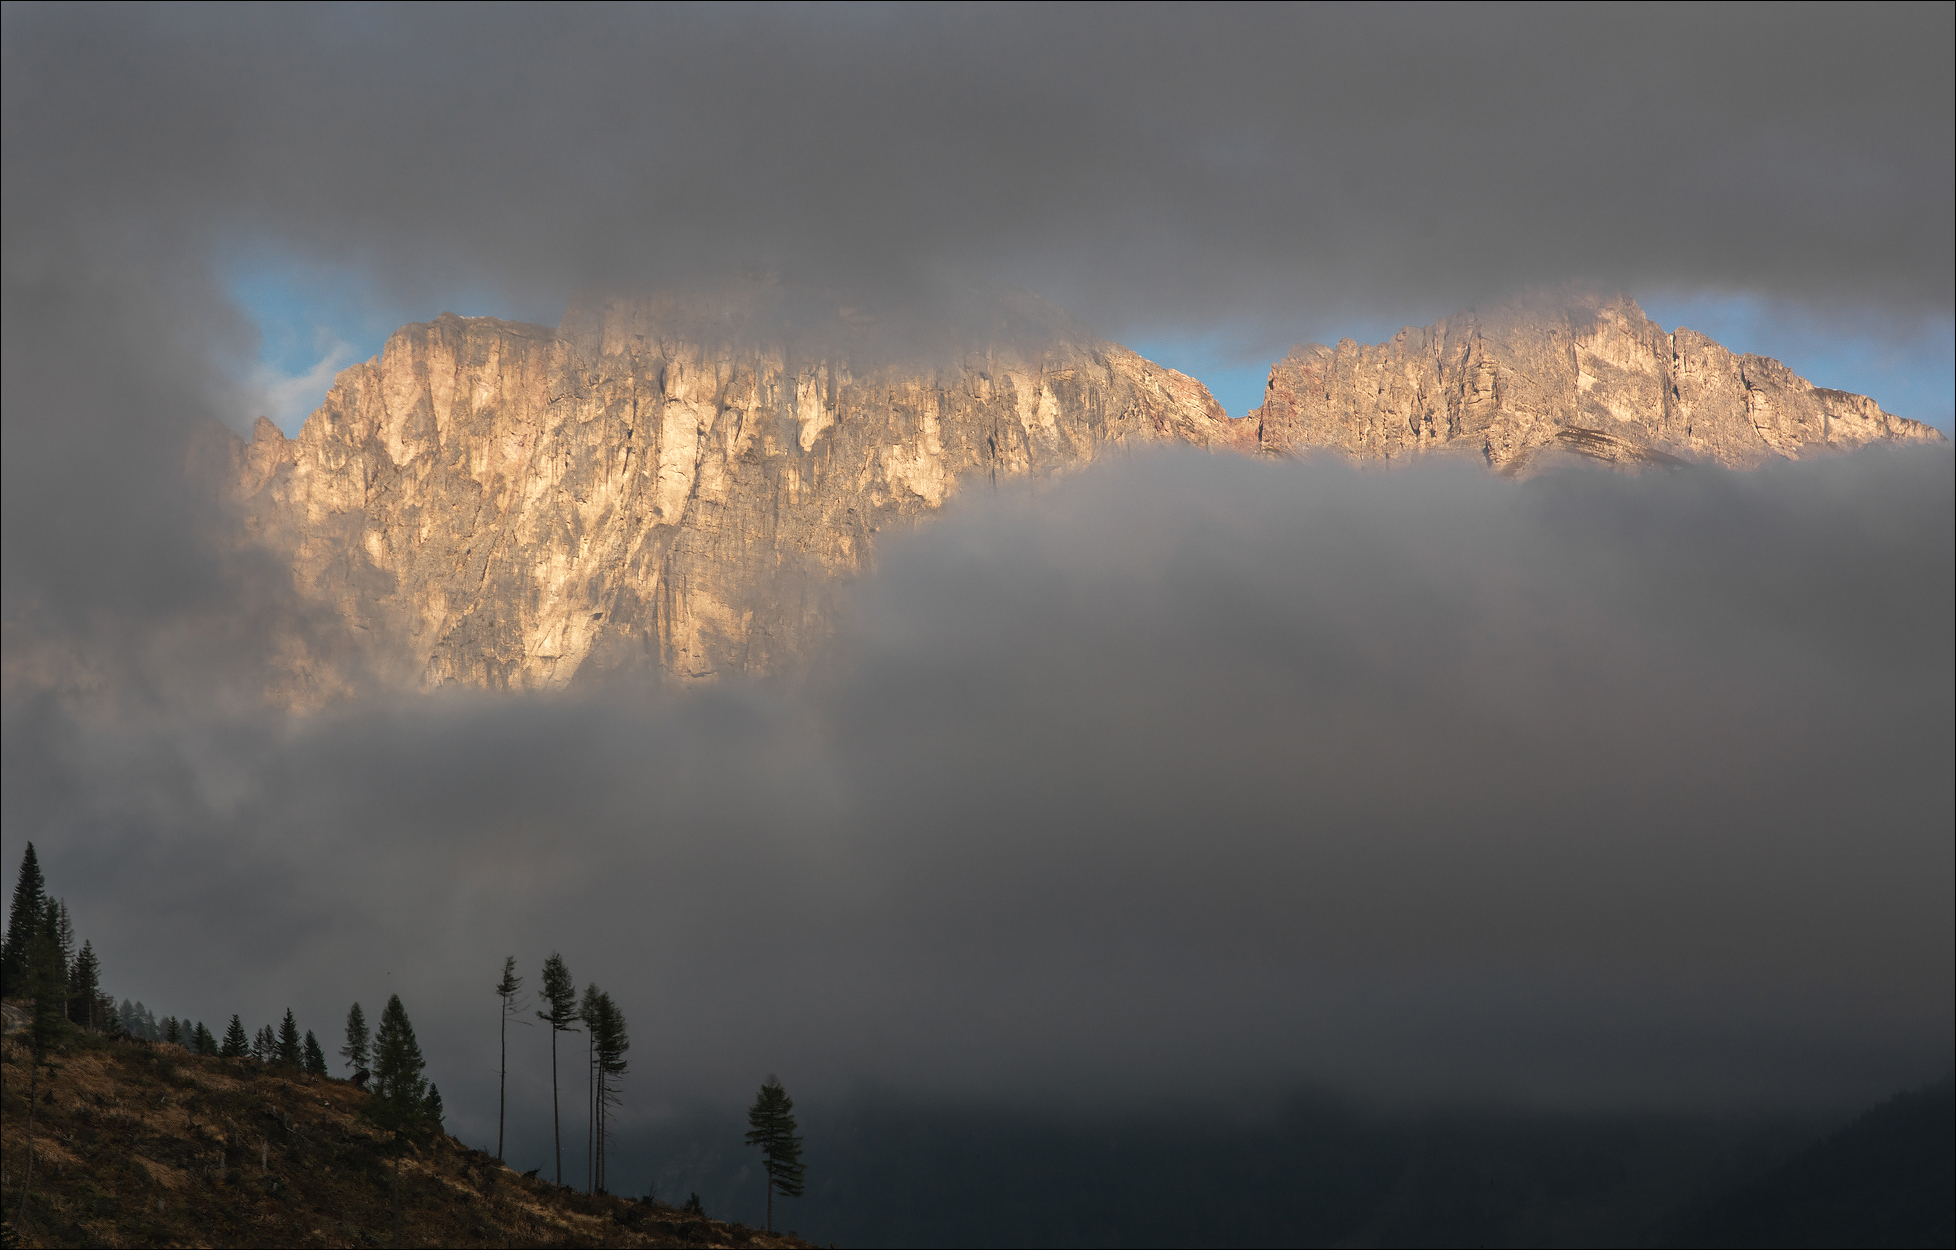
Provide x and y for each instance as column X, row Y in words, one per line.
column 1593, row 790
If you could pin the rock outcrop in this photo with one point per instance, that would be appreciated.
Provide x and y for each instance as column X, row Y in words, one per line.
column 512, row 506
column 678, row 484
column 1592, row 377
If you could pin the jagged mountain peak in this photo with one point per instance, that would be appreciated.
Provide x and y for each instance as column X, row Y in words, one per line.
column 675, row 481
column 1573, row 371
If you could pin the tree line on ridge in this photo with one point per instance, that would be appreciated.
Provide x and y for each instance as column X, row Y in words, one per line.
column 39, row 964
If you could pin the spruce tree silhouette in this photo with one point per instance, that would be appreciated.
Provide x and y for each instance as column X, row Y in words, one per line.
column 560, row 991
column 508, row 990
column 313, row 1059
column 772, row 1121
column 356, row 1051
column 85, row 989
column 400, row 1103
column 23, row 925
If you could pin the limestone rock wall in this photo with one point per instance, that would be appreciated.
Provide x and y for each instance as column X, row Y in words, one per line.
column 1595, row 378
column 507, row 505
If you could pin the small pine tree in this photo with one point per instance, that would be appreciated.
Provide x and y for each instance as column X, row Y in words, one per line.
column 314, row 1059
column 64, row 929
column 30, row 904
column 609, row 1041
column 432, row 1106
column 47, row 982
column 236, row 1044
column 509, row 989
column 560, row 992
column 264, row 1044
column 85, row 987
column 203, row 1041
column 772, row 1128
column 172, row 1031
column 400, row 1092
column 288, row 1041
column 356, row 1052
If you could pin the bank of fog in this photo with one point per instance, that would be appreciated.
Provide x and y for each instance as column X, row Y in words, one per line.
column 1183, row 778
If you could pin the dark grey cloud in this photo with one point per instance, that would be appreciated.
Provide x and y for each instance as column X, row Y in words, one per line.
column 1151, row 170
column 1188, row 777
column 1169, row 164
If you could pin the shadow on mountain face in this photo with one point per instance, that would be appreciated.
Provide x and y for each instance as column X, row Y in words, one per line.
column 1319, row 1173
column 1887, row 1179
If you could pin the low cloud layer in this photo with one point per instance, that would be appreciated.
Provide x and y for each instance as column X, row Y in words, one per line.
column 1187, row 777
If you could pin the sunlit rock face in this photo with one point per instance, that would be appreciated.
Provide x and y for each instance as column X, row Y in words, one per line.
column 1589, row 376
column 662, row 484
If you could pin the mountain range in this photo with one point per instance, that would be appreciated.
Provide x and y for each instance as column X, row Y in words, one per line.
column 683, row 483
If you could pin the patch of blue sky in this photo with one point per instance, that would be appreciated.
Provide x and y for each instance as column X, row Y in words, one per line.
column 1236, row 382
column 314, row 320
column 1907, row 368
column 1235, row 365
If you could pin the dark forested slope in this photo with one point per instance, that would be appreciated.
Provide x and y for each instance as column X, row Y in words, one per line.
column 144, row 1145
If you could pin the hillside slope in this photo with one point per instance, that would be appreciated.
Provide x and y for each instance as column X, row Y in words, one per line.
column 1887, row 1179
column 141, row 1145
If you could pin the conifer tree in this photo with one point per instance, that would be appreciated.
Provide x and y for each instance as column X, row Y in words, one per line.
column 264, row 1044
column 508, row 990
column 560, row 992
column 24, row 916
column 236, row 1044
column 609, row 1042
column 203, row 1041
column 400, row 1092
column 85, row 987
column 313, row 1059
column 432, row 1106
column 65, row 937
column 399, row 1086
column 288, row 1041
column 172, row 1031
column 47, row 982
column 772, row 1126
column 356, row 1052
column 587, row 1012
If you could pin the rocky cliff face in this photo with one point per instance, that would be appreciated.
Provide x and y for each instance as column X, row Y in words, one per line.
column 1597, row 379
column 508, row 505
column 659, row 485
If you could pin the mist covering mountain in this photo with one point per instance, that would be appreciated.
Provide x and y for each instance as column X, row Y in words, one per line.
column 1125, row 793
column 685, row 482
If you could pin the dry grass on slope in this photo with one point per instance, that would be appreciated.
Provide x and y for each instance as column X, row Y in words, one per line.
column 139, row 1145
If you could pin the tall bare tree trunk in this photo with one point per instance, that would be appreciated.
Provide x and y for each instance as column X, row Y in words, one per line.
column 590, row 1111
column 502, row 1083
column 556, row 1121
